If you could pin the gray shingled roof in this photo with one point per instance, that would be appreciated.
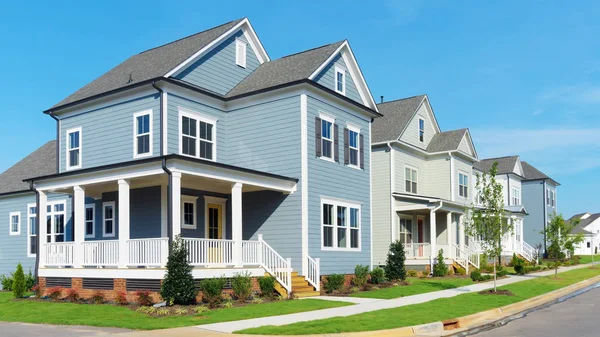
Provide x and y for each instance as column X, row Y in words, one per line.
column 149, row 64
column 505, row 164
column 532, row 173
column 287, row 69
column 446, row 141
column 41, row 162
column 396, row 115
column 584, row 223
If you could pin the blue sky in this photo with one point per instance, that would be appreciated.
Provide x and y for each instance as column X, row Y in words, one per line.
column 524, row 76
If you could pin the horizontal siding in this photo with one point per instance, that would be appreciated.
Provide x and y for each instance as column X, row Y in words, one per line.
column 462, row 166
column 402, row 159
column 438, row 177
column 381, row 205
column 107, row 133
column 411, row 134
column 217, row 70
column 327, row 78
column 534, row 201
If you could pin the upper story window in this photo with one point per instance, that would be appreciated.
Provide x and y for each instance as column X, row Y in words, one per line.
column 240, row 53
column 548, row 197
column 14, row 220
column 421, row 130
column 340, row 80
column 89, row 221
column 553, row 199
column 515, row 196
column 198, row 136
column 73, row 148
column 142, row 135
column 341, row 225
column 326, row 138
column 352, row 148
column 31, row 230
column 410, row 179
column 463, row 185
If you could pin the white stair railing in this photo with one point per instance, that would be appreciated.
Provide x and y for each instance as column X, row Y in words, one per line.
column 148, row 252
column 276, row 265
column 460, row 257
column 473, row 257
column 59, row 254
column 100, row 253
column 314, row 272
column 527, row 251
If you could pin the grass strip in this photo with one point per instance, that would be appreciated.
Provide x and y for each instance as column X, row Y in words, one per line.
column 417, row 286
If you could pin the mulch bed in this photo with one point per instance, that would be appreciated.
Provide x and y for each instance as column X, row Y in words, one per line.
column 497, row 292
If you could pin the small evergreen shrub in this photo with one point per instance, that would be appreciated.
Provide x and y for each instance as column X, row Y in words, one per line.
column 501, row 272
column 440, row 269
column 72, row 295
column 121, row 298
column 212, row 289
column 475, row 275
column 412, row 273
column 201, row 309
column 242, row 286
column 54, row 293
column 394, row 267
column 144, row 298
column 333, row 282
column 98, row 297
column 18, row 286
column 7, row 282
column 29, row 281
column 267, row 286
column 178, row 286
column 361, row 274
column 377, row 275
column 519, row 265
column 461, row 271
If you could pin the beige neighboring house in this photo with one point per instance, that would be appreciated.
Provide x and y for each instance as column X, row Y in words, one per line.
column 422, row 181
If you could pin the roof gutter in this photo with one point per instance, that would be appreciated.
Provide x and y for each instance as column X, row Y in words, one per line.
column 37, row 230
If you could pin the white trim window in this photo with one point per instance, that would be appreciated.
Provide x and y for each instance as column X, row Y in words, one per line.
column 90, row 231
column 340, row 80
column 354, row 146
column 405, row 229
column 515, row 195
column 327, row 137
column 142, row 134
column 341, row 225
column 463, row 185
column 421, row 130
column 548, row 197
column 410, row 179
column 198, row 135
column 31, row 230
column 553, row 198
column 108, row 219
column 73, row 142
column 14, row 223
column 55, row 221
column 189, row 212
column 240, row 52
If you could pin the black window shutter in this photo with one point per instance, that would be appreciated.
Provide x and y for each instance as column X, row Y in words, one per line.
column 336, row 144
column 362, row 152
column 318, row 136
column 346, row 147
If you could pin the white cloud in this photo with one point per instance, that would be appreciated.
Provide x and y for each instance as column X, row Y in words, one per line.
column 579, row 94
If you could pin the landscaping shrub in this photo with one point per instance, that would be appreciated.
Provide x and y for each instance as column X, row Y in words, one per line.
column 212, row 289
column 121, row 298
column 475, row 275
column 18, row 286
column 144, row 298
column 361, row 274
column 242, row 286
column 36, row 291
column 98, row 297
column 267, row 286
column 412, row 273
column 29, row 281
column 333, row 282
column 178, row 286
column 461, row 271
column 72, row 295
column 501, row 272
column 7, row 282
column 519, row 265
column 377, row 275
column 394, row 266
column 440, row 269
column 54, row 293
column 201, row 309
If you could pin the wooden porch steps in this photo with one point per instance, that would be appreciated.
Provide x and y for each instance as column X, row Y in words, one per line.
column 301, row 288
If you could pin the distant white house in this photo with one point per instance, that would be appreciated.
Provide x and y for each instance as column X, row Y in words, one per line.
column 589, row 226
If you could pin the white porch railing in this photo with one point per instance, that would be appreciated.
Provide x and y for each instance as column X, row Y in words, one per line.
column 59, row 254
column 417, row 250
column 101, row 253
column 276, row 265
column 251, row 253
column 460, row 257
column 314, row 272
column 473, row 257
column 148, row 252
column 528, row 252
column 209, row 252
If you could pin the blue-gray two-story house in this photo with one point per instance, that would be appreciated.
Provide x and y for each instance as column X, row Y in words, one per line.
column 259, row 165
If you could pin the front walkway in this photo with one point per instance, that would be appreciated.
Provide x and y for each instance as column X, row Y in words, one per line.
column 372, row 305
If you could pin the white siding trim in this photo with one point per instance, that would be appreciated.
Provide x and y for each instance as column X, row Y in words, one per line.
column 29, row 217
column 10, row 223
column 240, row 53
column 452, row 178
column 304, row 179
column 370, row 202
column 114, row 219
column 67, row 148
column 135, row 135
column 93, row 235
column 199, row 117
column 165, row 128
column 340, row 70
column 190, row 200
column 343, row 203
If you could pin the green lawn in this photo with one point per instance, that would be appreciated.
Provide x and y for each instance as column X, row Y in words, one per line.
column 417, row 286
column 588, row 258
column 115, row 316
column 433, row 311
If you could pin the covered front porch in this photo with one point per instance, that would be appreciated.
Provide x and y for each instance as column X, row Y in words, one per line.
column 125, row 217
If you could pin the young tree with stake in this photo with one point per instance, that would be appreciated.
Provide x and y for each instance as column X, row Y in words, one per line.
column 558, row 233
column 488, row 220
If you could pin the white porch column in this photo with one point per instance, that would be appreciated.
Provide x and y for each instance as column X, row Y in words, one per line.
column 123, row 224
column 461, row 232
column 449, row 235
column 42, row 225
column 176, row 203
column 236, row 223
column 432, row 237
column 78, row 225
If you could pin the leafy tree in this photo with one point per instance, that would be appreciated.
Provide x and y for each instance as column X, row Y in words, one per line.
column 19, row 285
column 488, row 220
column 440, row 269
column 178, row 286
column 558, row 233
column 394, row 266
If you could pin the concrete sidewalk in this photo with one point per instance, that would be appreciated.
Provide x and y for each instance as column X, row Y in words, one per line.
column 367, row 306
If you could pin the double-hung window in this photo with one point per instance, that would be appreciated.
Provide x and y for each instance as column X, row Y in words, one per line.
column 548, row 197
column 410, row 179
column 55, row 221
column 405, row 230
column 188, row 212
column 421, row 130
column 89, row 221
column 516, row 196
column 353, row 147
column 340, row 80
column 463, row 185
column 240, row 53
column 327, row 138
column 108, row 219
column 553, row 199
column 142, row 135
column 73, row 148
column 198, row 135
column 14, row 221
column 31, row 230
column 340, row 225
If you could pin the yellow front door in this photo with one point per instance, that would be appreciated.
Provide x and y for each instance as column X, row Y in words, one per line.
column 215, row 231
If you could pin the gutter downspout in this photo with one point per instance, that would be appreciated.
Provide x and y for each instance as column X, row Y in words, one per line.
column 169, row 203
column 452, row 177
column 508, row 201
column 392, row 188
column 37, row 230
column 161, row 92
column 544, row 208
column 434, row 234
column 51, row 114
